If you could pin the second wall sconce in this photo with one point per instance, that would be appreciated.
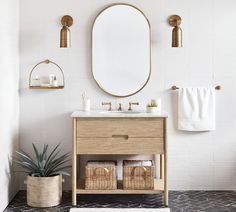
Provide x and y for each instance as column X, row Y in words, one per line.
column 65, row 37
column 175, row 21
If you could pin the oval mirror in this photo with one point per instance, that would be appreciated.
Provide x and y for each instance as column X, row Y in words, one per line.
column 121, row 50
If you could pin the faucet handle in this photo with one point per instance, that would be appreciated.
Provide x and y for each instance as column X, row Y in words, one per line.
column 107, row 103
column 132, row 103
column 120, row 107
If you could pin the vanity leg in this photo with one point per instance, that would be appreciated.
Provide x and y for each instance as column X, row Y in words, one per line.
column 166, row 193
column 74, row 166
column 162, row 167
column 165, row 164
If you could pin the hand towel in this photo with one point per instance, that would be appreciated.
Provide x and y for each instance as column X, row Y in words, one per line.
column 196, row 110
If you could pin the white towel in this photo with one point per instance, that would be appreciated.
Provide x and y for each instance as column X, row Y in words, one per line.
column 196, row 109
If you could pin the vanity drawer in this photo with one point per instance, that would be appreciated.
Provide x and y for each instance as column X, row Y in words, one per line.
column 120, row 145
column 132, row 127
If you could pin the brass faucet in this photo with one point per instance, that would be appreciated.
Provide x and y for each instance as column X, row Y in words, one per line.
column 107, row 103
column 132, row 103
column 120, row 107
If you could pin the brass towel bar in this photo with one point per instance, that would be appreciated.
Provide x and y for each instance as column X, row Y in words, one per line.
column 218, row 87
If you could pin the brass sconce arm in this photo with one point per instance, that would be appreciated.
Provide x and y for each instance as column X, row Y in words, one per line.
column 175, row 22
column 65, row 37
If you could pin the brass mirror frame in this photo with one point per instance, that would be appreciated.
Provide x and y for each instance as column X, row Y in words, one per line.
column 150, row 37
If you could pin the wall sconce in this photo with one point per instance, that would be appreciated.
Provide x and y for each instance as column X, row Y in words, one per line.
column 175, row 21
column 65, row 38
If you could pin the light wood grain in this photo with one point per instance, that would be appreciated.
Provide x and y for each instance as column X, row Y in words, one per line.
column 120, row 146
column 74, row 164
column 162, row 166
column 166, row 198
column 120, row 136
column 133, row 127
column 158, row 187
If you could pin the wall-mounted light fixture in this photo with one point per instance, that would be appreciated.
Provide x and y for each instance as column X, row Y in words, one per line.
column 65, row 37
column 175, row 21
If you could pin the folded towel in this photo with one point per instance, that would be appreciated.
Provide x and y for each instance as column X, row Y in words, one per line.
column 196, row 109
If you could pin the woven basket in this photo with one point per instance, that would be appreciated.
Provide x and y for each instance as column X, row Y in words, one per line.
column 101, row 175
column 44, row 191
column 138, row 174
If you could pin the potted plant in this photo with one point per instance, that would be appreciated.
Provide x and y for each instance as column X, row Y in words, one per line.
column 44, row 180
column 152, row 107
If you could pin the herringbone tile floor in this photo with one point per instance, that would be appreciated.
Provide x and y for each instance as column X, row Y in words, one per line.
column 180, row 201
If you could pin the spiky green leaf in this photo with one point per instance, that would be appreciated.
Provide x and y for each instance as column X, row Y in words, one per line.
column 43, row 165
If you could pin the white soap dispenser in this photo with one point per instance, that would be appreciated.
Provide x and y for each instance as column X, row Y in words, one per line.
column 86, row 102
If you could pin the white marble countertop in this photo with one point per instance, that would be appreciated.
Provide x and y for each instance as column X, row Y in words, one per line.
column 117, row 114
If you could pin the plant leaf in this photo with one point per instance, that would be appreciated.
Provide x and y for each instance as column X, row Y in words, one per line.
column 52, row 154
column 57, row 162
column 43, row 165
column 61, row 168
column 60, row 172
column 26, row 158
column 36, row 152
column 24, row 166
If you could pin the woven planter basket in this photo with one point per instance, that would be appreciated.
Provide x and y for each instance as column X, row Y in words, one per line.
column 138, row 175
column 44, row 191
column 101, row 175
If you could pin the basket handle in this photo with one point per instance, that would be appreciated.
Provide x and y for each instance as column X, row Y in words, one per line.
column 144, row 175
column 99, row 168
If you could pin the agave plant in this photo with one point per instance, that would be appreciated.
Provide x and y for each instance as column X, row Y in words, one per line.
column 44, row 164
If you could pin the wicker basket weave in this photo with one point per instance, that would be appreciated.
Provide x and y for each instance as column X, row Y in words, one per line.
column 138, row 174
column 101, row 175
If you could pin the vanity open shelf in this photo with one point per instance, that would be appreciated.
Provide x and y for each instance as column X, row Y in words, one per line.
column 96, row 133
column 158, row 188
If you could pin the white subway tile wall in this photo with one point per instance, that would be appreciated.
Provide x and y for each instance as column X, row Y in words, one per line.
column 196, row 160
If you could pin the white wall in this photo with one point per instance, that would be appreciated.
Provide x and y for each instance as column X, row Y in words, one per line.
column 196, row 160
column 9, row 98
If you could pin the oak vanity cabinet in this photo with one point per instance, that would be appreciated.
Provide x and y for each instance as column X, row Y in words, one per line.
column 119, row 136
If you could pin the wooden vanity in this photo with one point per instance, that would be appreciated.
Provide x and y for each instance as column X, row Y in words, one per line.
column 119, row 134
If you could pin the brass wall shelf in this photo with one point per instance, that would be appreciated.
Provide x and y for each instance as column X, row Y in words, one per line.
column 46, row 86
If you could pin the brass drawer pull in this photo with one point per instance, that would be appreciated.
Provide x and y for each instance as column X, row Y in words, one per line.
column 121, row 136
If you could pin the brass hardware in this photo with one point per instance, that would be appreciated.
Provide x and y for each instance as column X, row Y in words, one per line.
column 126, row 137
column 120, row 107
column 175, row 22
column 174, row 87
column 107, row 103
column 132, row 103
column 150, row 39
column 67, row 21
column 47, row 61
column 65, row 37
